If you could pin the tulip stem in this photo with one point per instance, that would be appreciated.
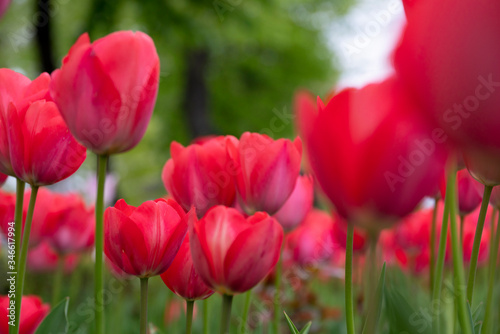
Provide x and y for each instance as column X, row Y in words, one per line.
column 477, row 242
column 24, row 254
column 189, row 315
column 144, row 305
column 439, row 267
column 372, row 308
column 205, row 316
column 58, row 279
column 277, row 294
column 246, row 309
column 491, row 274
column 349, row 304
column 227, row 302
column 458, row 264
column 433, row 246
column 18, row 228
column 102, row 161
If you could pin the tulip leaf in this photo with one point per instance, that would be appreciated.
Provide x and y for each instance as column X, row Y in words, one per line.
column 306, row 328
column 379, row 296
column 476, row 325
column 292, row 327
column 57, row 320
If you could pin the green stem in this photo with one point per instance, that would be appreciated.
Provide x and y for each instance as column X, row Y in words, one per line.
column 349, row 304
column 246, row 309
column 458, row 265
column 205, row 316
column 58, row 280
column 227, row 302
column 18, row 221
column 99, row 244
column 433, row 245
column 24, row 254
column 371, row 293
column 189, row 315
column 144, row 305
column 491, row 275
column 277, row 295
column 438, row 272
column 477, row 242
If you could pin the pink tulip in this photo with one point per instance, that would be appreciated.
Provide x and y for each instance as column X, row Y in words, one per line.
column 44, row 259
column 181, row 277
column 373, row 156
column 4, row 5
column 267, row 170
column 233, row 254
column 143, row 241
column 200, row 175
column 298, row 205
column 106, row 90
column 32, row 314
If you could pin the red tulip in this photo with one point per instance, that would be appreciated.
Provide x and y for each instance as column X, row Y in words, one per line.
column 312, row 242
column 181, row 277
column 267, row 170
column 200, row 175
column 44, row 259
column 7, row 208
column 448, row 57
column 298, row 205
column 340, row 235
column 4, row 5
column 468, row 189
column 106, row 90
column 72, row 225
column 32, row 314
column 233, row 254
column 3, row 178
column 370, row 152
column 143, row 241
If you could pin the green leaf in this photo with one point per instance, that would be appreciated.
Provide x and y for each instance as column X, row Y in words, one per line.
column 306, row 328
column 57, row 320
column 292, row 327
column 379, row 295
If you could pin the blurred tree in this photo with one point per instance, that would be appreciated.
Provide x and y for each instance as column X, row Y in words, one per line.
column 227, row 66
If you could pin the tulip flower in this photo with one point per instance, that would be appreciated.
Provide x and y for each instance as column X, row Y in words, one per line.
column 312, row 242
column 201, row 174
column 373, row 174
column 448, row 58
column 44, row 259
column 106, row 90
column 233, row 254
column 266, row 171
column 143, row 241
column 468, row 188
column 183, row 280
column 250, row 248
column 340, row 235
column 33, row 312
column 4, row 5
column 298, row 205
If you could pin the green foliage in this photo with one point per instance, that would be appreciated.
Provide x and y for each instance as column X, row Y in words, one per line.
column 57, row 320
column 294, row 329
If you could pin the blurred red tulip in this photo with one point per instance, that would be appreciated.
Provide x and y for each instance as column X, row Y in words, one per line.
column 340, row 235
column 7, row 208
column 448, row 57
column 233, row 254
column 370, row 152
column 200, row 175
column 312, row 242
column 106, row 90
column 4, row 5
column 32, row 314
column 266, row 171
column 469, row 192
column 182, row 279
column 72, row 225
column 36, row 145
column 3, row 178
column 298, row 205
column 44, row 259
column 143, row 240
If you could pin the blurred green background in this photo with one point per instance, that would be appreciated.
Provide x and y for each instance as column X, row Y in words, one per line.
column 227, row 66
